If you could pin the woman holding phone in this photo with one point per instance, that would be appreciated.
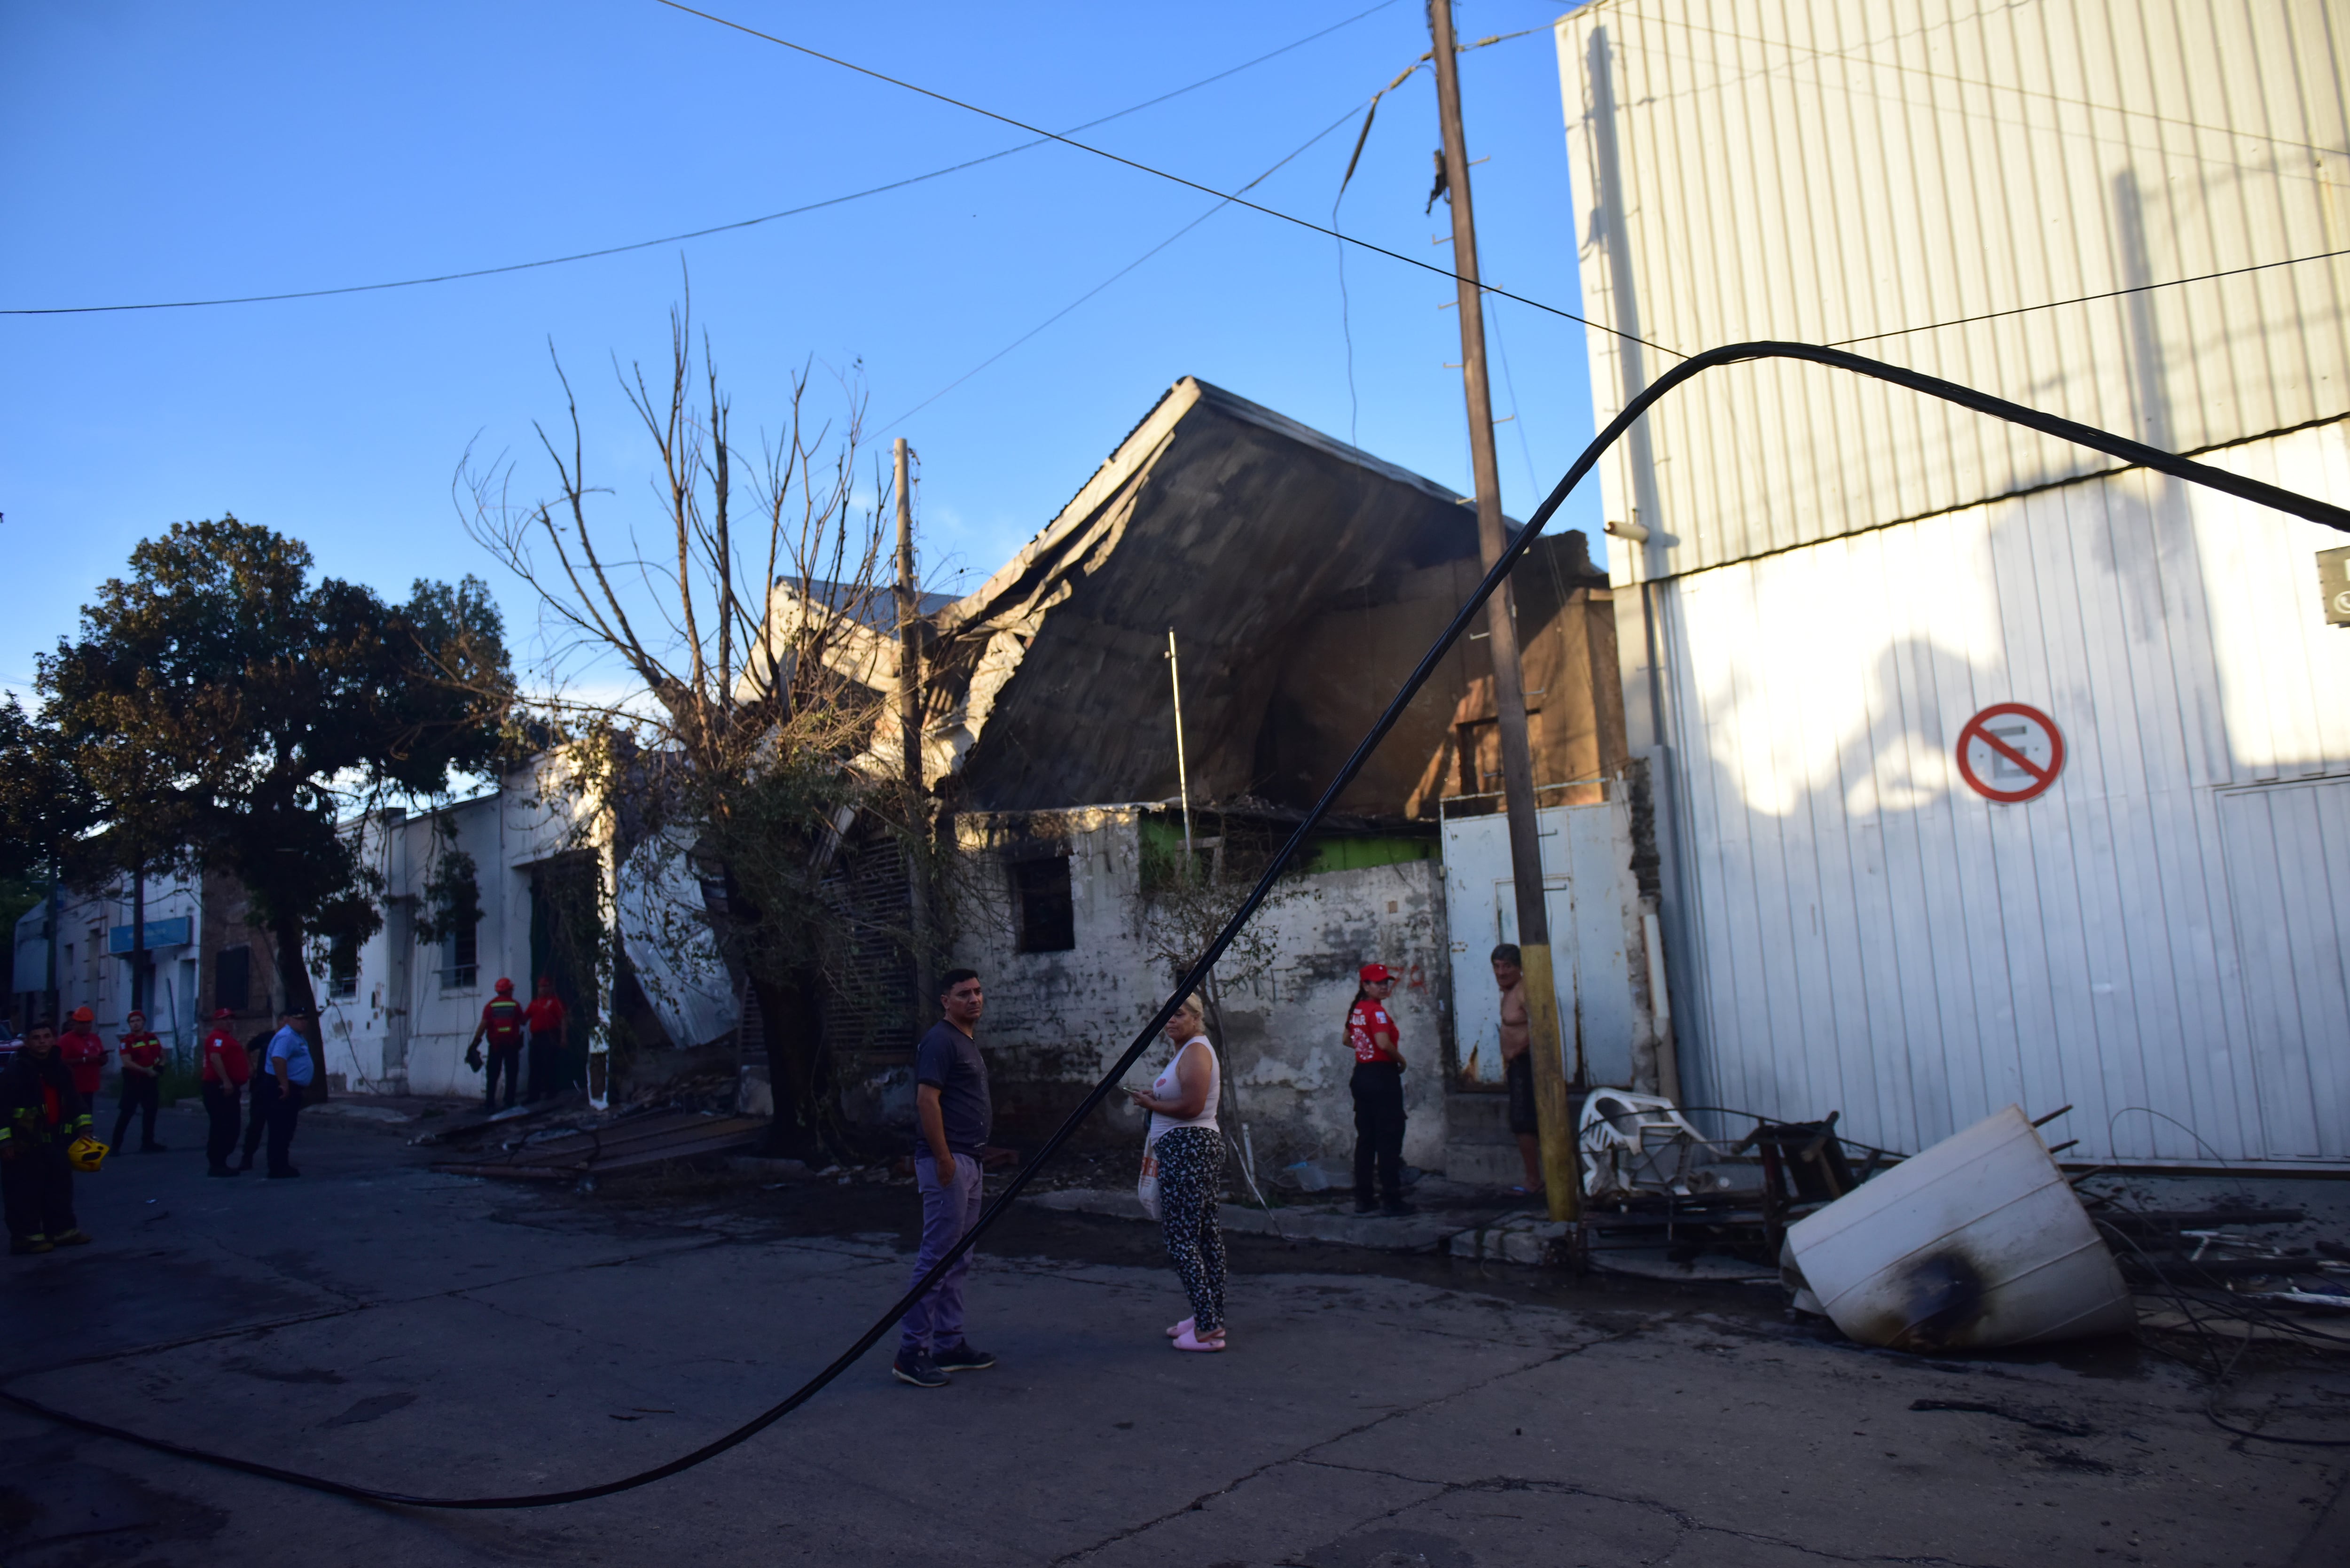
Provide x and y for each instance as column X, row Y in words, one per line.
column 1189, row 1149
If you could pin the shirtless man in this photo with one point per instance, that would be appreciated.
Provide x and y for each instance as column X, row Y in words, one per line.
column 1518, row 1061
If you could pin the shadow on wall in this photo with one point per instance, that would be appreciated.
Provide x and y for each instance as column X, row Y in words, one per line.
column 1871, row 936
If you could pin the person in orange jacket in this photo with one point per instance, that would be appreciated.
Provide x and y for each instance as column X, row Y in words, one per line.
column 143, row 1071
column 502, row 1026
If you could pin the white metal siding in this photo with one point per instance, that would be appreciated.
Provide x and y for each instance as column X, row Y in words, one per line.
column 2163, row 929
column 1821, row 170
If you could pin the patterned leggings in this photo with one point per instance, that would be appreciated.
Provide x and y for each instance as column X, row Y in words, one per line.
column 1191, row 1166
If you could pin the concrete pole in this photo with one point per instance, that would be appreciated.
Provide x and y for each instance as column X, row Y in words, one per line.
column 1560, row 1173
column 910, row 725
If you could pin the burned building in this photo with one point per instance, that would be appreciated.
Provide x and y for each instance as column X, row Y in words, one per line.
column 1300, row 580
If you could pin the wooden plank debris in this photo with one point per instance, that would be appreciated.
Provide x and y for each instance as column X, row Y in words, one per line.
column 627, row 1143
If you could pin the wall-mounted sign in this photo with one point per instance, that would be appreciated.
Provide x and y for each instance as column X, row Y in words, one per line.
column 2334, row 584
column 176, row 932
column 2010, row 753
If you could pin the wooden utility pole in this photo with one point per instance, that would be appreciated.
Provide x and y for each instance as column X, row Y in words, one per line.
column 910, row 725
column 1560, row 1171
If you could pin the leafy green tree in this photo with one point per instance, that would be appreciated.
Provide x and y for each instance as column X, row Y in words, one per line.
column 220, row 703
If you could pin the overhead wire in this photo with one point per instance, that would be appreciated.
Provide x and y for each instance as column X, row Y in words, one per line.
column 2130, row 451
column 1040, row 141
column 2087, row 298
column 1226, row 201
column 1140, row 167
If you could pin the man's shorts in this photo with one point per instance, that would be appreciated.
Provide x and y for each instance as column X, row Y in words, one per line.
column 1519, row 1073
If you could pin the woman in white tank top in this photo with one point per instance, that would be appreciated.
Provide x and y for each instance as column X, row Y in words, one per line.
column 1187, row 1149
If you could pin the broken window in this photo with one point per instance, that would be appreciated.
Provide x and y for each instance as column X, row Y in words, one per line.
column 1045, row 903
column 343, row 964
column 460, row 958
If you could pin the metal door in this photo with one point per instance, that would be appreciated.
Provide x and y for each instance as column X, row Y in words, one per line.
column 2288, row 848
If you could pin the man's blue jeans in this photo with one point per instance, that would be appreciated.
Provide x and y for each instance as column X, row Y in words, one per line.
column 949, row 1208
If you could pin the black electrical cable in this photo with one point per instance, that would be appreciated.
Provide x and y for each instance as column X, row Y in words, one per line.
column 2135, row 452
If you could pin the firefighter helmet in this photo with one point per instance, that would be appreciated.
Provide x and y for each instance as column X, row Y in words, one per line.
column 85, row 1153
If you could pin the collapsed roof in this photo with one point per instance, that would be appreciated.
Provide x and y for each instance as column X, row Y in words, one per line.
column 1302, row 578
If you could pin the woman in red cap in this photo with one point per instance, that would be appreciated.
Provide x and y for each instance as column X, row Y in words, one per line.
column 1378, row 1093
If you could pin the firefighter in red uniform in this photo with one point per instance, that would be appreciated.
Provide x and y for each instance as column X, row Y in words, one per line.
column 142, row 1068
column 549, row 1020
column 1377, row 1085
column 502, row 1026
column 41, row 1115
column 84, row 1054
column 225, row 1068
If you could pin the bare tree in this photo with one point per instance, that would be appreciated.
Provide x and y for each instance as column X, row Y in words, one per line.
column 743, row 637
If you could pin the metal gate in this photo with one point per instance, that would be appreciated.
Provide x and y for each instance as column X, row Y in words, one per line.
column 1594, row 905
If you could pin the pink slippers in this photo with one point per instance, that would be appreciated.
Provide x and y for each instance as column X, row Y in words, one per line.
column 1186, row 1341
column 1181, row 1329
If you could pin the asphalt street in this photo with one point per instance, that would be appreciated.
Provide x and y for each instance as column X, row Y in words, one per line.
column 380, row 1323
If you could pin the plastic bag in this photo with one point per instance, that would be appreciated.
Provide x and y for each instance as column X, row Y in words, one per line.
column 1146, row 1191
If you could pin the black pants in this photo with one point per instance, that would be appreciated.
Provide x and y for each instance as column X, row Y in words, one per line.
column 284, row 1112
column 225, row 1104
column 509, row 1059
column 264, row 1097
column 545, row 1062
column 1379, row 1129
column 37, row 1188
column 138, row 1094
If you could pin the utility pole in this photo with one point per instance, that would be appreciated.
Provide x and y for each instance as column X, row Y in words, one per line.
column 138, row 937
column 1182, row 771
column 910, row 725
column 1560, row 1173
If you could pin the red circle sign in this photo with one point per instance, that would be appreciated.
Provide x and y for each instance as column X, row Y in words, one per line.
column 2011, row 753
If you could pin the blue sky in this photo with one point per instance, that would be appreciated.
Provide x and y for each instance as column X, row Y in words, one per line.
column 167, row 151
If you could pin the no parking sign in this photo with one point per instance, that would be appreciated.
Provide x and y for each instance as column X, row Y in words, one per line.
column 2011, row 753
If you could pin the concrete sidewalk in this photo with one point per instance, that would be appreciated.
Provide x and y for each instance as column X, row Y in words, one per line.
column 378, row 1322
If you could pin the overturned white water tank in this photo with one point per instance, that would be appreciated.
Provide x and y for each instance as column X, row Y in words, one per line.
column 1979, row 1242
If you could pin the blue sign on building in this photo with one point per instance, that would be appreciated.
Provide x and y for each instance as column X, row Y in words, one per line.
column 176, row 932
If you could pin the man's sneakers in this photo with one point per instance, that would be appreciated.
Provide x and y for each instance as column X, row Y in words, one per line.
column 924, row 1370
column 73, row 1238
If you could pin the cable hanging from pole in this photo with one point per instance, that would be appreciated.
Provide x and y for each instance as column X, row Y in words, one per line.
column 2134, row 452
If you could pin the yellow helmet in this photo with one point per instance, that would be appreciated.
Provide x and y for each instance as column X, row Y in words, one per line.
column 85, row 1153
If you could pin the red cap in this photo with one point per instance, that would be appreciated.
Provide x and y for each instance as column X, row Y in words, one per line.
column 506, row 988
column 1373, row 973
column 84, row 1016
column 221, row 1012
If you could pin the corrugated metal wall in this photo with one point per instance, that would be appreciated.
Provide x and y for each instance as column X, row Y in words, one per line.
column 1832, row 170
column 2164, row 930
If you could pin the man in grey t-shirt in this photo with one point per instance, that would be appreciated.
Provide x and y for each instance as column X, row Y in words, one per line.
column 952, row 1118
